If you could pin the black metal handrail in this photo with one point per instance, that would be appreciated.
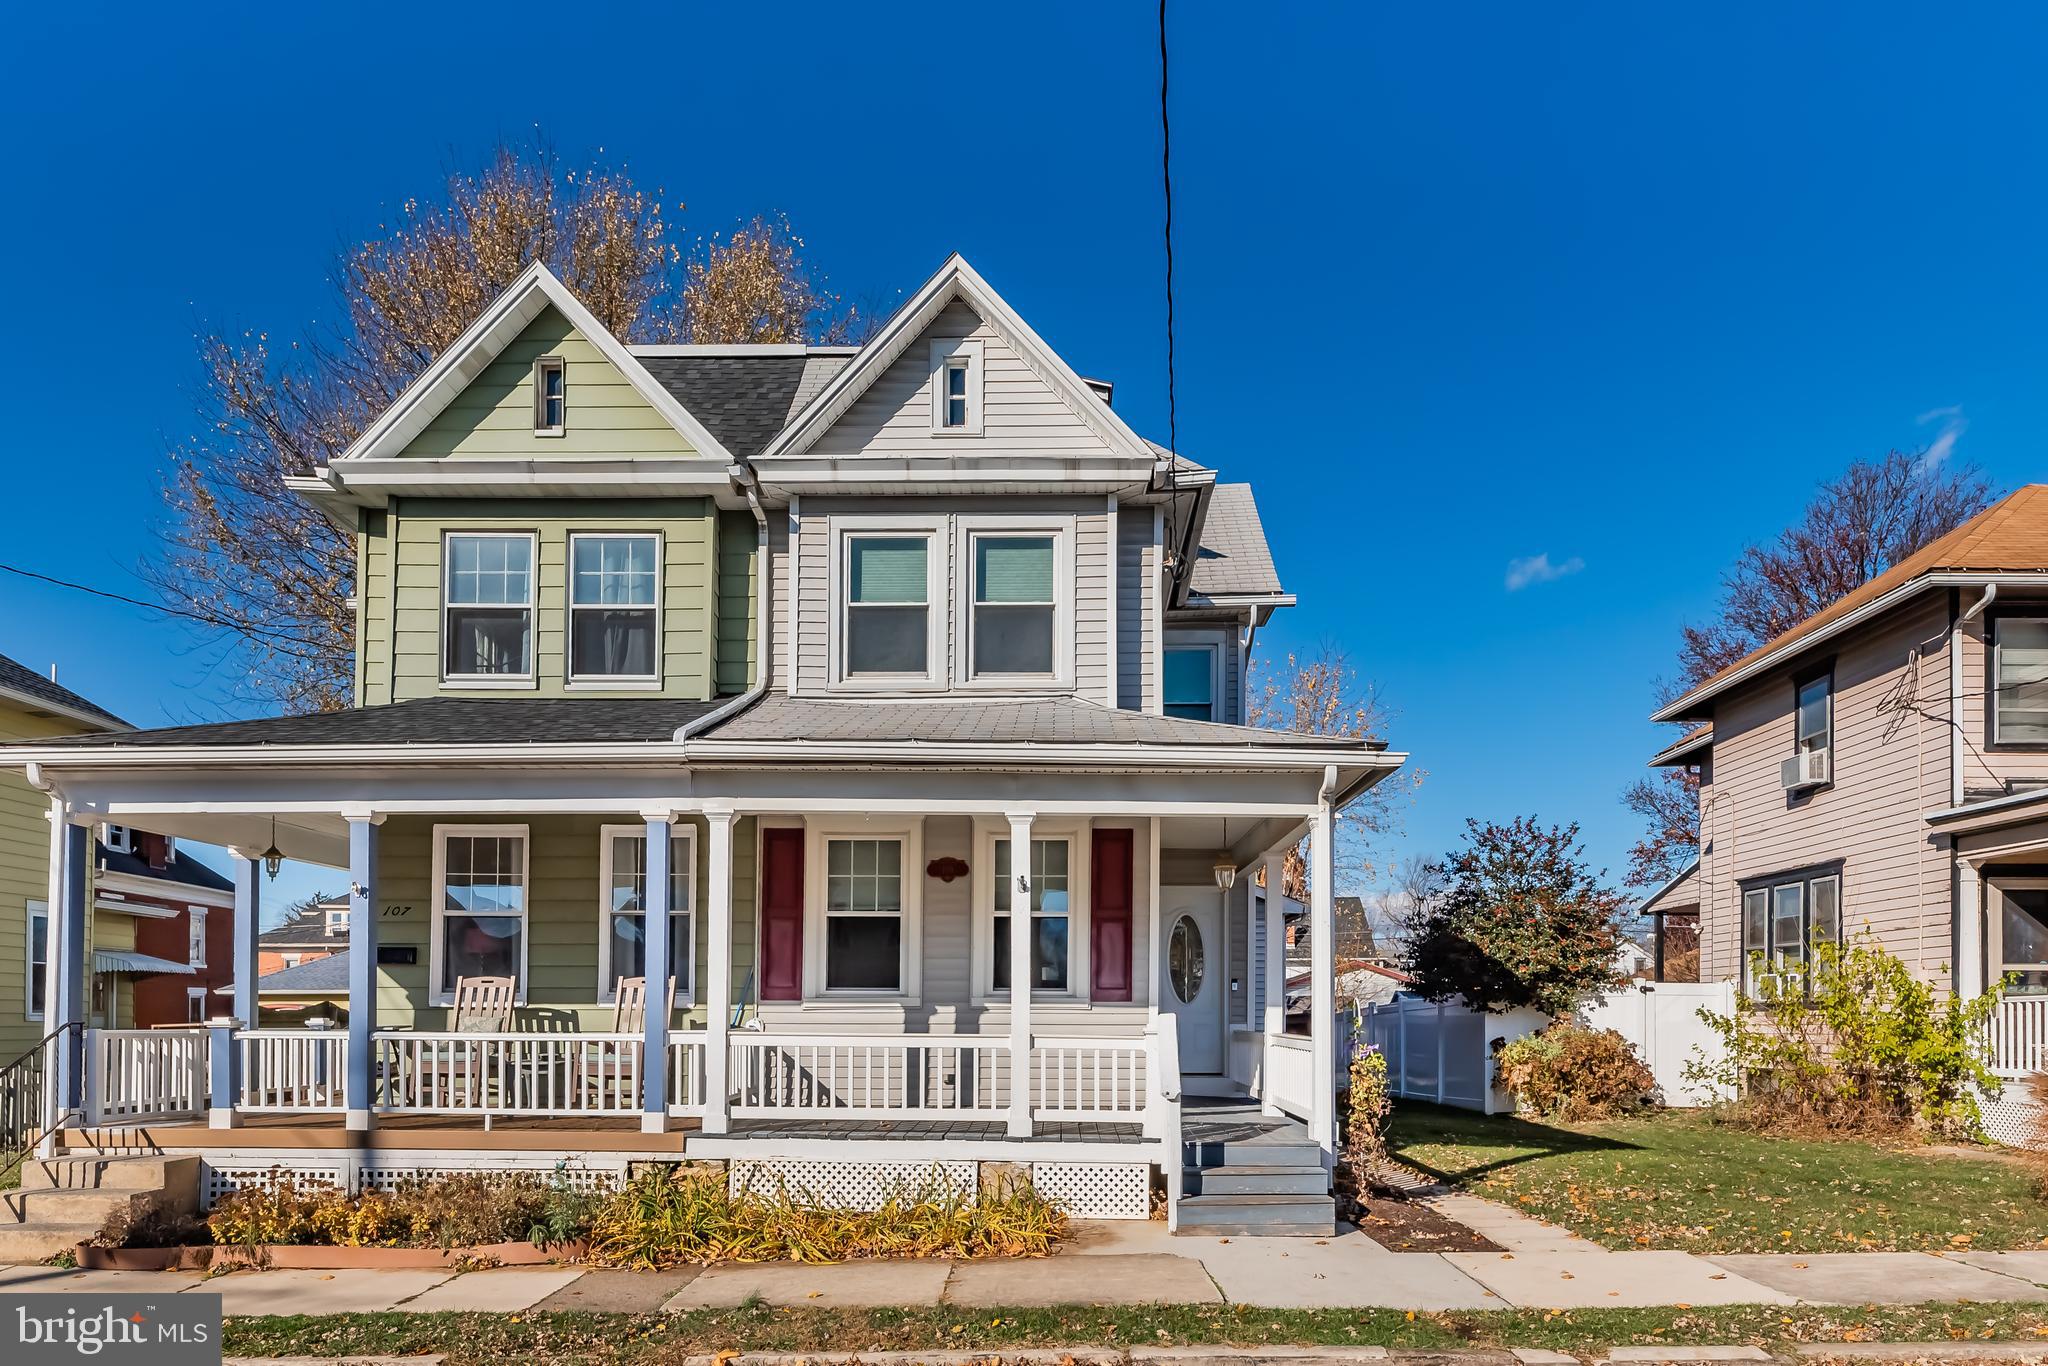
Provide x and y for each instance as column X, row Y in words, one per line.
column 21, row 1098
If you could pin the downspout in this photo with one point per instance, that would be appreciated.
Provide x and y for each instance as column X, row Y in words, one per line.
column 1955, row 694
column 763, row 604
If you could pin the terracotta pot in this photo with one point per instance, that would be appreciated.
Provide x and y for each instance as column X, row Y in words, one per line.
column 285, row 1256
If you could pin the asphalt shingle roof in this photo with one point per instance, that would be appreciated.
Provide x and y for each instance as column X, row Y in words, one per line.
column 182, row 868
column 308, row 925
column 440, row 721
column 305, row 979
column 17, row 678
column 743, row 400
column 1051, row 720
column 1234, row 557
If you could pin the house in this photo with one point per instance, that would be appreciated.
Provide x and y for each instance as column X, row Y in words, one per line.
column 1882, row 768
column 315, row 989
column 887, row 699
column 1674, row 914
column 317, row 930
column 184, row 933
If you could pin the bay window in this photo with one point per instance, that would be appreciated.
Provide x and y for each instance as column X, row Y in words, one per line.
column 480, row 901
column 1783, row 916
column 864, row 915
column 2019, row 666
column 622, row 949
column 487, row 617
column 614, row 620
column 1051, row 915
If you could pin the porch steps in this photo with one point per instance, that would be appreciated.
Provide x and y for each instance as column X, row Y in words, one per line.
column 1247, row 1177
column 65, row 1200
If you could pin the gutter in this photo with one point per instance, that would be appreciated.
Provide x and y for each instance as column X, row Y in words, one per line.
column 763, row 607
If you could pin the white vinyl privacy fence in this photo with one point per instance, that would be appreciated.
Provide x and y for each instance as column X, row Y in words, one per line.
column 1662, row 1020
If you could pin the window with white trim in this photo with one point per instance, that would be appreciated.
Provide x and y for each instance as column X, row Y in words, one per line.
column 1052, row 907
column 195, row 1005
column 1014, row 606
column 864, row 915
column 480, row 902
column 195, row 941
column 2019, row 931
column 119, row 838
column 550, row 396
column 623, row 949
column 1190, row 674
column 487, row 624
column 2019, row 666
column 614, row 619
column 956, row 388
column 38, row 958
column 1782, row 918
column 886, row 621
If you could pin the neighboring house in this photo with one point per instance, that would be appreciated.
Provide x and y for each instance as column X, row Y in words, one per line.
column 752, row 666
column 1633, row 960
column 184, row 929
column 313, row 932
column 1674, row 912
column 316, row 989
column 1882, row 769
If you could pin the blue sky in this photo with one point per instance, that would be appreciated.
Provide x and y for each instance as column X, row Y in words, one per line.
column 1599, row 289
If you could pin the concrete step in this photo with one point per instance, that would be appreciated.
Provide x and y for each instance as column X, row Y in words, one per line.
column 38, row 1242
column 93, row 1172
column 1299, row 1179
column 1273, row 1216
column 1279, row 1151
column 73, row 1207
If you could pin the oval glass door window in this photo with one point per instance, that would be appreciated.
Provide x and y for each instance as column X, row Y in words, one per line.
column 1185, row 961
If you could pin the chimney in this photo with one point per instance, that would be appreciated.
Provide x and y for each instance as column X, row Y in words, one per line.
column 156, row 849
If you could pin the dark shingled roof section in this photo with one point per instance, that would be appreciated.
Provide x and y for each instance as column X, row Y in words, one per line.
column 742, row 400
column 1051, row 720
column 17, row 678
column 182, row 868
column 306, row 979
column 439, row 721
column 1234, row 557
column 307, row 926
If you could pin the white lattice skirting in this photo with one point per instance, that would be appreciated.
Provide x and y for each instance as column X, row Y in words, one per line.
column 225, row 1173
column 1096, row 1190
column 2015, row 1117
column 848, row 1185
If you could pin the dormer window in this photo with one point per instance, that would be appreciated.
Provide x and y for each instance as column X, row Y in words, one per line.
column 550, row 396
column 956, row 388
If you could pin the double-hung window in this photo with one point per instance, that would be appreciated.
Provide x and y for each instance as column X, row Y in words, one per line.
column 1813, row 726
column 2019, row 666
column 1190, row 677
column 488, row 616
column 1015, row 606
column 38, row 957
column 1784, row 916
column 480, row 899
column 550, row 396
column 1051, row 915
column 614, row 622
column 624, row 951
column 886, row 622
column 195, row 941
column 864, row 915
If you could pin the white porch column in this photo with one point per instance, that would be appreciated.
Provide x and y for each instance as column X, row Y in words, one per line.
column 1322, row 977
column 362, row 967
column 654, row 941
column 1275, row 970
column 227, row 1069
column 1969, row 973
column 718, row 973
column 64, row 972
column 1020, row 973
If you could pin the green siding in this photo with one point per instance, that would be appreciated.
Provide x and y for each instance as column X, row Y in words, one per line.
column 737, row 593
column 402, row 579
column 563, row 920
column 605, row 414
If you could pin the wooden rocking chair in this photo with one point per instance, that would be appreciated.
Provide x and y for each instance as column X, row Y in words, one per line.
column 482, row 1005
column 602, row 1065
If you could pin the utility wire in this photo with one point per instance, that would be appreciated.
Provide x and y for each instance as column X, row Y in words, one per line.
column 204, row 618
column 1172, row 407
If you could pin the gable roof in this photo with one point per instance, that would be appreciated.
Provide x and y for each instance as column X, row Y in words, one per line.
column 180, row 868
column 954, row 280
column 29, row 688
column 1233, row 559
column 495, row 328
column 2009, row 537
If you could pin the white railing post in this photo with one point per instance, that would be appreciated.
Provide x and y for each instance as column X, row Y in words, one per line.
column 1021, row 937
column 718, row 970
column 1162, row 1037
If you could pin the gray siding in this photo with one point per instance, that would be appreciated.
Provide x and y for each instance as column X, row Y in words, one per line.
column 1137, row 609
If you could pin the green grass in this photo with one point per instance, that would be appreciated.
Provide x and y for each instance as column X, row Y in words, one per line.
column 1679, row 1180
column 603, row 1339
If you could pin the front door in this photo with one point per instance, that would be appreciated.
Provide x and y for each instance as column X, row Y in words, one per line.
column 1192, row 973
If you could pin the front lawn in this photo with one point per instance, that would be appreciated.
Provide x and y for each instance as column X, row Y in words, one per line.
column 1678, row 1180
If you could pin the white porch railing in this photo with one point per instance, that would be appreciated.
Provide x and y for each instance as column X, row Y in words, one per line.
column 292, row 1071
column 507, row 1074
column 685, row 1072
column 1289, row 1074
column 1090, row 1079
column 882, row 1076
column 145, row 1074
column 2019, row 1036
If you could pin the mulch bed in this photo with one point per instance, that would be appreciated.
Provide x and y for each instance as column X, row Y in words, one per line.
column 1400, row 1223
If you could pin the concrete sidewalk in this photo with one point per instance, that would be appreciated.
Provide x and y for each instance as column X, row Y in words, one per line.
column 1135, row 1263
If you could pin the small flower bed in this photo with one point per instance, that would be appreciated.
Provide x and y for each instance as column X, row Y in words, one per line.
column 466, row 1210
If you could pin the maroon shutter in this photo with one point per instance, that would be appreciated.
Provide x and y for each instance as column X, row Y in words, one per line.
column 1109, row 916
column 782, row 914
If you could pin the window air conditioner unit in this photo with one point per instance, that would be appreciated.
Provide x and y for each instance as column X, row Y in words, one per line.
column 1808, row 768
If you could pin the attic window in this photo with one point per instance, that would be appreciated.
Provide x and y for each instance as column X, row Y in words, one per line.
column 119, row 840
column 550, row 396
column 956, row 388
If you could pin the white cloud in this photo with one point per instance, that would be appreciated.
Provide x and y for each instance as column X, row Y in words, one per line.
column 1953, row 425
column 1538, row 569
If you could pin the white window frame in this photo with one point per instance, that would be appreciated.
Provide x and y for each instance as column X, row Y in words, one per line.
column 948, row 354
column 571, row 677
column 466, row 682
column 841, row 532
column 198, row 994
column 1768, row 888
column 542, row 365
column 681, row 833
column 1804, row 744
column 436, row 996
column 982, row 876
column 195, row 937
column 817, row 839
column 31, row 970
column 120, row 838
column 1192, row 641
column 1996, row 671
column 969, row 529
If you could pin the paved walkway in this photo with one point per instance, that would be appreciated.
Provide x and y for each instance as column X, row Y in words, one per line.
column 1139, row 1263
